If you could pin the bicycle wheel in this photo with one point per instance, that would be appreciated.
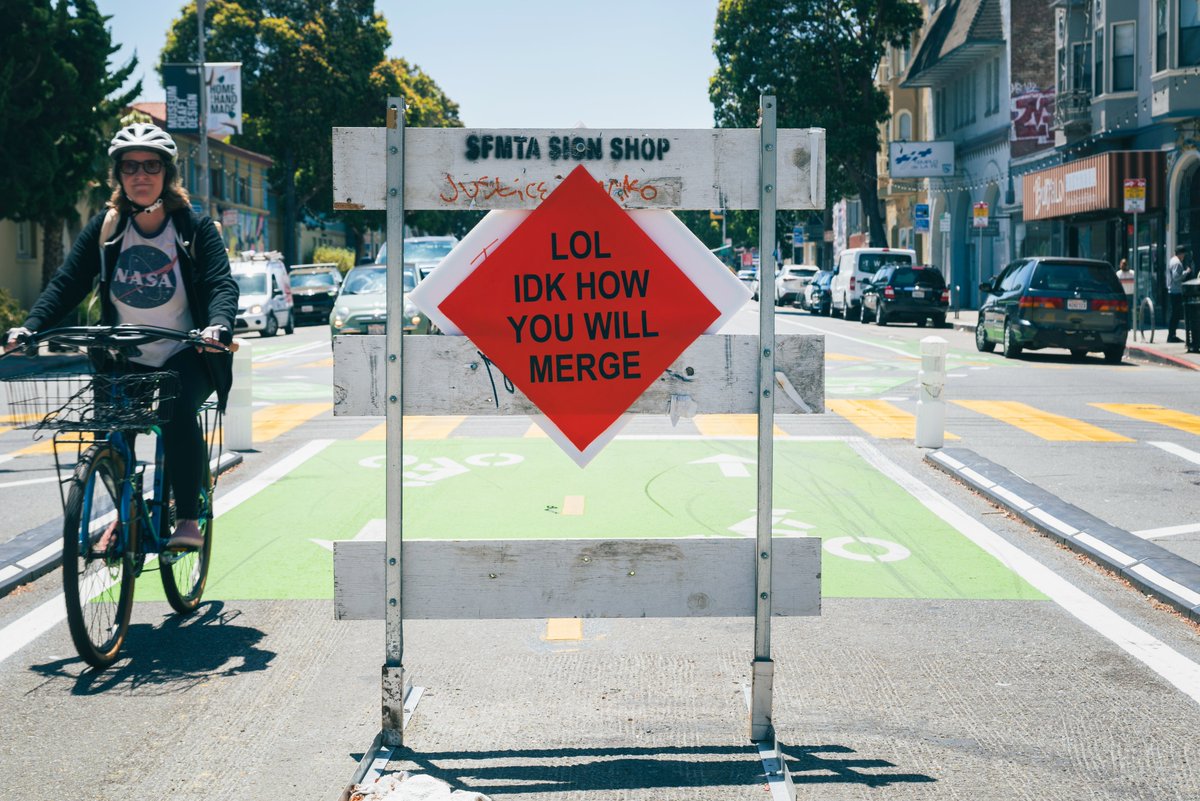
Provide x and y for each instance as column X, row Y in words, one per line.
column 184, row 574
column 97, row 564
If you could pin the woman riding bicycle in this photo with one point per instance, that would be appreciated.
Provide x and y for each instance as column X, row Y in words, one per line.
column 157, row 263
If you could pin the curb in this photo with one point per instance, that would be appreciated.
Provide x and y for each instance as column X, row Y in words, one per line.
column 1151, row 568
column 34, row 553
column 1144, row 354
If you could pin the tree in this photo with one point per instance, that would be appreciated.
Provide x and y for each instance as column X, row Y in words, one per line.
column 307, row 66
column 818, row 57
column 59, row 112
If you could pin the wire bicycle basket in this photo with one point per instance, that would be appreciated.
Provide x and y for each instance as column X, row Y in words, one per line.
column 91, row 402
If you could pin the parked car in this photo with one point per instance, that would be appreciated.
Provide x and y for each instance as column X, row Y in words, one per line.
column 816, row 294
column 790, row 282
column 265, row 301
column 906, row 294
column 1050, row 302
column 314, row 290
column 423, row 253
column 855, row 268
column 750, row 279
column 361, row 306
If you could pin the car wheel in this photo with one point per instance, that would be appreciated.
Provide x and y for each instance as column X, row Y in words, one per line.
column 834, row 311
column 862, row 315
column 881, row 315
column 981, row 341
column 939, row 321
column 290, row 328
column 272, row 326
column 921, row 323
column 1114, row 353
column 852, row 312
column 1012, row 349
column 1078, row 353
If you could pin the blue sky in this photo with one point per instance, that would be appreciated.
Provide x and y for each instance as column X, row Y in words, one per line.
column 529, row 64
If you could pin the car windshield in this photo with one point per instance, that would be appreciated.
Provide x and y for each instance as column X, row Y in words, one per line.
column 427, row 251
column 906, row 277
column 369, row 281
column 874, row 262
column 312, row 279
column 251, row 283
column 1073, row 277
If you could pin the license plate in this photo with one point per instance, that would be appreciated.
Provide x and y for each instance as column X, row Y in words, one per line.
column 918, row 293
column 306, row 308
column 376, row 328
column 1076, row 304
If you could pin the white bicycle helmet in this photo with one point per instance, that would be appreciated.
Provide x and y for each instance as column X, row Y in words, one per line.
column 142, row 136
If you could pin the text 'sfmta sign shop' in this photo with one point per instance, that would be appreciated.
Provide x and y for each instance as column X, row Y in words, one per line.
column 581, row 299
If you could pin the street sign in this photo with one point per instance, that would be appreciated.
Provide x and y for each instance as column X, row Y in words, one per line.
column 980, row 218
column 581, row 310
column 1135, row 195
column 798, row 234
column 944, row 222
column 921, row 218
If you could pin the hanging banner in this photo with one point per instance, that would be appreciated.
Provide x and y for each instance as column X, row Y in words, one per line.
column 224, row 85
column 182, row 84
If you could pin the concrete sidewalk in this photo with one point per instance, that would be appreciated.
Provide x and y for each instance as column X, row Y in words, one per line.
column 1158, row 351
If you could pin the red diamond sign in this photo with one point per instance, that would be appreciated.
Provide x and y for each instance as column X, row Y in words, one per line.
column 581, row 310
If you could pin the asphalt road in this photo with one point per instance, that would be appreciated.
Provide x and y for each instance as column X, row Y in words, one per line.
column 984, row 662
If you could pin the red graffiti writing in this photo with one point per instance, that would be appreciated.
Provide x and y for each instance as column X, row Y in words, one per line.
column 1033, row 116
column 488, row 187
column 628, row 188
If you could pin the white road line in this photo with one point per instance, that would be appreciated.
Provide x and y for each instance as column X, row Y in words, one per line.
column 903, row 353
column 288, row 352
column 29, row 481
column 1168, row 531
column 33, row 624
column 1178, row 450
column 1173, row 666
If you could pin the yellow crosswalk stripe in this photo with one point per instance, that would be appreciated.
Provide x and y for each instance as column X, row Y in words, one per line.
column 1153, row 413
column 273, row 421
column 1047, row 426
column 564, row 628
column 418, row 427
column 536, row 432
column 731, row 425
column 843, row 357
column 879, row 418
column 319, row 363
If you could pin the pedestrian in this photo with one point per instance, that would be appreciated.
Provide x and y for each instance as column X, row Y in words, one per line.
column 1126, row 277
column 158, row 263
column 1178, row 271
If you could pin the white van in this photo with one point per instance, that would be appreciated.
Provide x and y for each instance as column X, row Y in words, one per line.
column 855, row 267
column 265, row 300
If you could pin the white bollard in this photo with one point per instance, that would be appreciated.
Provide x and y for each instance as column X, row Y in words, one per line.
column 239, row 412
column 931, row 409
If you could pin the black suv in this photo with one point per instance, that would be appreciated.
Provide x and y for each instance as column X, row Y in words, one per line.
column 314, row 289
column 1050, row 302
column 902, row 293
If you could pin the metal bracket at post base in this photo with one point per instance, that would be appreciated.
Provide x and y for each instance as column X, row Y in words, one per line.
column 763, row 677
column 399, row 702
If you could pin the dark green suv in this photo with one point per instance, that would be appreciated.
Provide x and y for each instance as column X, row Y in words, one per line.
column 1048, row 302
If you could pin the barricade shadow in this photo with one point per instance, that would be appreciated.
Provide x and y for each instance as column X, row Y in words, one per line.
column 613, row 769
column 173, row 655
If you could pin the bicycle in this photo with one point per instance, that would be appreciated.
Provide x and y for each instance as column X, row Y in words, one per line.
column 1144, row 320
column 111, row 526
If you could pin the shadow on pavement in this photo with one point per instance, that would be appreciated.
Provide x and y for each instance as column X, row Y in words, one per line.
column 562, row 770
column 172, row 656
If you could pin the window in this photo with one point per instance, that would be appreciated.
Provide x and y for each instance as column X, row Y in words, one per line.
column 992, row 88
column 1160, row 35
column 216, row 182
column 939, row 112
column 1189, row 33
column 1124, row 36
column 1081, row 75
column 1098, row 73
column 904, row 126
column 26, row 242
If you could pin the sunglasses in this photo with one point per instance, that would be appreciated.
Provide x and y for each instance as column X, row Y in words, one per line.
column 151, row 167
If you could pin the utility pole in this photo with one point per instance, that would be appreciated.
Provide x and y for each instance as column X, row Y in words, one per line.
column 202, row 170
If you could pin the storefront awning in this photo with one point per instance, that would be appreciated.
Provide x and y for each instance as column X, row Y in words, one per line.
column 1095, row 183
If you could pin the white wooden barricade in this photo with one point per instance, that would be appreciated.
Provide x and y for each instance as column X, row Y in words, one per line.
column 484, row 169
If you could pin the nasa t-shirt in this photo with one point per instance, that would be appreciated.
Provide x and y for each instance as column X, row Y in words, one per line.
column 147, row 289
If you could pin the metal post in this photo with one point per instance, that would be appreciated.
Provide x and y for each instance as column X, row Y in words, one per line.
column 202, row 171
column 762, row 667
column 1137, row 270
column 393, row 666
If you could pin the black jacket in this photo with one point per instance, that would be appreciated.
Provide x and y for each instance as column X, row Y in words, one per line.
column 212, row 293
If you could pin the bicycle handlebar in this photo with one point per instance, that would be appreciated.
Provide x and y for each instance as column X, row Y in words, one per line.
column 114, row 336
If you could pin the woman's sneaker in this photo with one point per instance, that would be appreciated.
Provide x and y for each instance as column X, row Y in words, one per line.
column 187, row 537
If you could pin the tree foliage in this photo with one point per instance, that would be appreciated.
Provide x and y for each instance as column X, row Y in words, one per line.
column 818, row 57
column 60, row 109
column 307, row 66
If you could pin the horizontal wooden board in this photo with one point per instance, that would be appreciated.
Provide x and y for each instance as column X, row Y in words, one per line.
column 495, row 579
column 447, row 168
column 448, row 375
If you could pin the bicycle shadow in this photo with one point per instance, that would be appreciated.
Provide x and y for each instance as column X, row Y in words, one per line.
column 173, row 655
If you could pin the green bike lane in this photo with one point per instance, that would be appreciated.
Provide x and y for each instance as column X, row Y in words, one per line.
column 878, row 541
